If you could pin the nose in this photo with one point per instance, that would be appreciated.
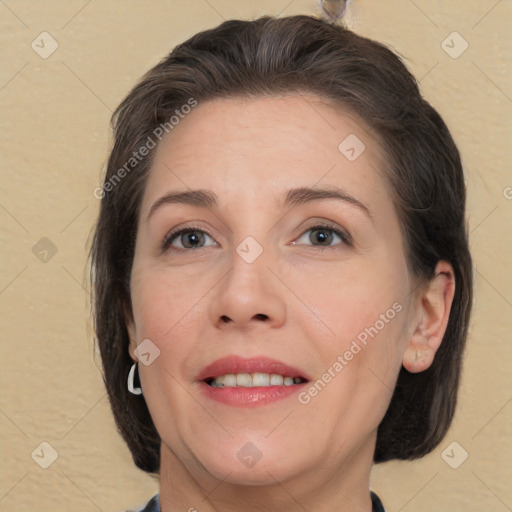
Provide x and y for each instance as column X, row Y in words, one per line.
column 248, row 295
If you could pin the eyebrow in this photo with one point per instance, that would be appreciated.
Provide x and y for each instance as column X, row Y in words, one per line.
column 297, row 196
column 293, row 197
column 201, row 198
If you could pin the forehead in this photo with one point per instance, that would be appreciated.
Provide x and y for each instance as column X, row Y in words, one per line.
column 255, row 146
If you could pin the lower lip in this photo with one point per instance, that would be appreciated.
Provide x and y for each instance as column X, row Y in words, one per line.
column 249, row 397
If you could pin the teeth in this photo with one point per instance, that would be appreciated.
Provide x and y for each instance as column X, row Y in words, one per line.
column 276, row 380
column 244, row 380
column 260, row 379
column 249, row 380
column 229, row 380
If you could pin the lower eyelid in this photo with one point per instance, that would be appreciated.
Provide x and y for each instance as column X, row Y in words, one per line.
column 172, row 236
column 344, row 236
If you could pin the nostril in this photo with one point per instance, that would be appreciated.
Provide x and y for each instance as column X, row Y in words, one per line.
column 258, row 316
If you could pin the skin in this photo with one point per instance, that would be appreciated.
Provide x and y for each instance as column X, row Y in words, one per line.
column 300, row 302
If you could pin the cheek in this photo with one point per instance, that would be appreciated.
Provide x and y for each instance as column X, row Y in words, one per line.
column 164, row 301
column 352, row 299
column 360, row 313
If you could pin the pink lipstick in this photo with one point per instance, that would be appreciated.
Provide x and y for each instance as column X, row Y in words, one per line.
column 242, row 382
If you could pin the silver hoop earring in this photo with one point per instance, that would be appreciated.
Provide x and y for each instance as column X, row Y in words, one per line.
column 131, row 377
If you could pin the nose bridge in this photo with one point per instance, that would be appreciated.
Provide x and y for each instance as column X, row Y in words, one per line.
column 249, row 262
column 249, row 292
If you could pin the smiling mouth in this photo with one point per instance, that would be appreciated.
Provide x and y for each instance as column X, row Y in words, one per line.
column 251, row 380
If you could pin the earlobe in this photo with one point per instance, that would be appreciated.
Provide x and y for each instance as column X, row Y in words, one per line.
column 130, row 327
column 133, row 344
column 434, row 306
column 418, row 357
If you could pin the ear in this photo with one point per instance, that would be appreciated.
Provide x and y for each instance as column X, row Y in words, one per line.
column 435, row 303
column 130, row 327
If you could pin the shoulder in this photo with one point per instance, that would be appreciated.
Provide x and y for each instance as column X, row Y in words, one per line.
column 376, row 503
column 153, row 505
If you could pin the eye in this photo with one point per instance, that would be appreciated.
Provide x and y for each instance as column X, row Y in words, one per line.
column 186, row 238
column 324, row 235
column 321, row 235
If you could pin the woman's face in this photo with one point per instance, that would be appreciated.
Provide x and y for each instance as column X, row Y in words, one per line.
column 321, row 315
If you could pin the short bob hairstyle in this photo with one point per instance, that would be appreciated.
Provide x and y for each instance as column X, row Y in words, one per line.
column 278, row 56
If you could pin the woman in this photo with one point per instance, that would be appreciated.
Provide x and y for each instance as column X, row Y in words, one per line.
column 282, row 245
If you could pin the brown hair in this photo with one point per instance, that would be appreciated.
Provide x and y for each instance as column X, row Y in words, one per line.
column 271, row 56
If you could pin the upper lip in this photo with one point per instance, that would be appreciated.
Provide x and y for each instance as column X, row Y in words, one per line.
column 237, row 364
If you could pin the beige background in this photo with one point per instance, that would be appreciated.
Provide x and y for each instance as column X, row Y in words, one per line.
column 55, row 139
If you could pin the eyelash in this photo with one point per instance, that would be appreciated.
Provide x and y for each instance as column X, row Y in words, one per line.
column 344, row 236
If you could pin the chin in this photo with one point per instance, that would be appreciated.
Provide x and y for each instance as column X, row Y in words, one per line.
column 250, row 463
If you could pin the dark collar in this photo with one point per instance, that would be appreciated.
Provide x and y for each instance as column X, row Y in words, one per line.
column 153, row 505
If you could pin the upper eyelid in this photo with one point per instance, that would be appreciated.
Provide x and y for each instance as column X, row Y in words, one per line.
column 173, row 234
column 338, row 230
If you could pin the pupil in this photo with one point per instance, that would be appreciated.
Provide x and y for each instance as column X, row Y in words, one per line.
column 191, row 238
column 321, row 236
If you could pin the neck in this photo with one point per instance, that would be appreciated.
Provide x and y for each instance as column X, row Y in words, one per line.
column 323, row 489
